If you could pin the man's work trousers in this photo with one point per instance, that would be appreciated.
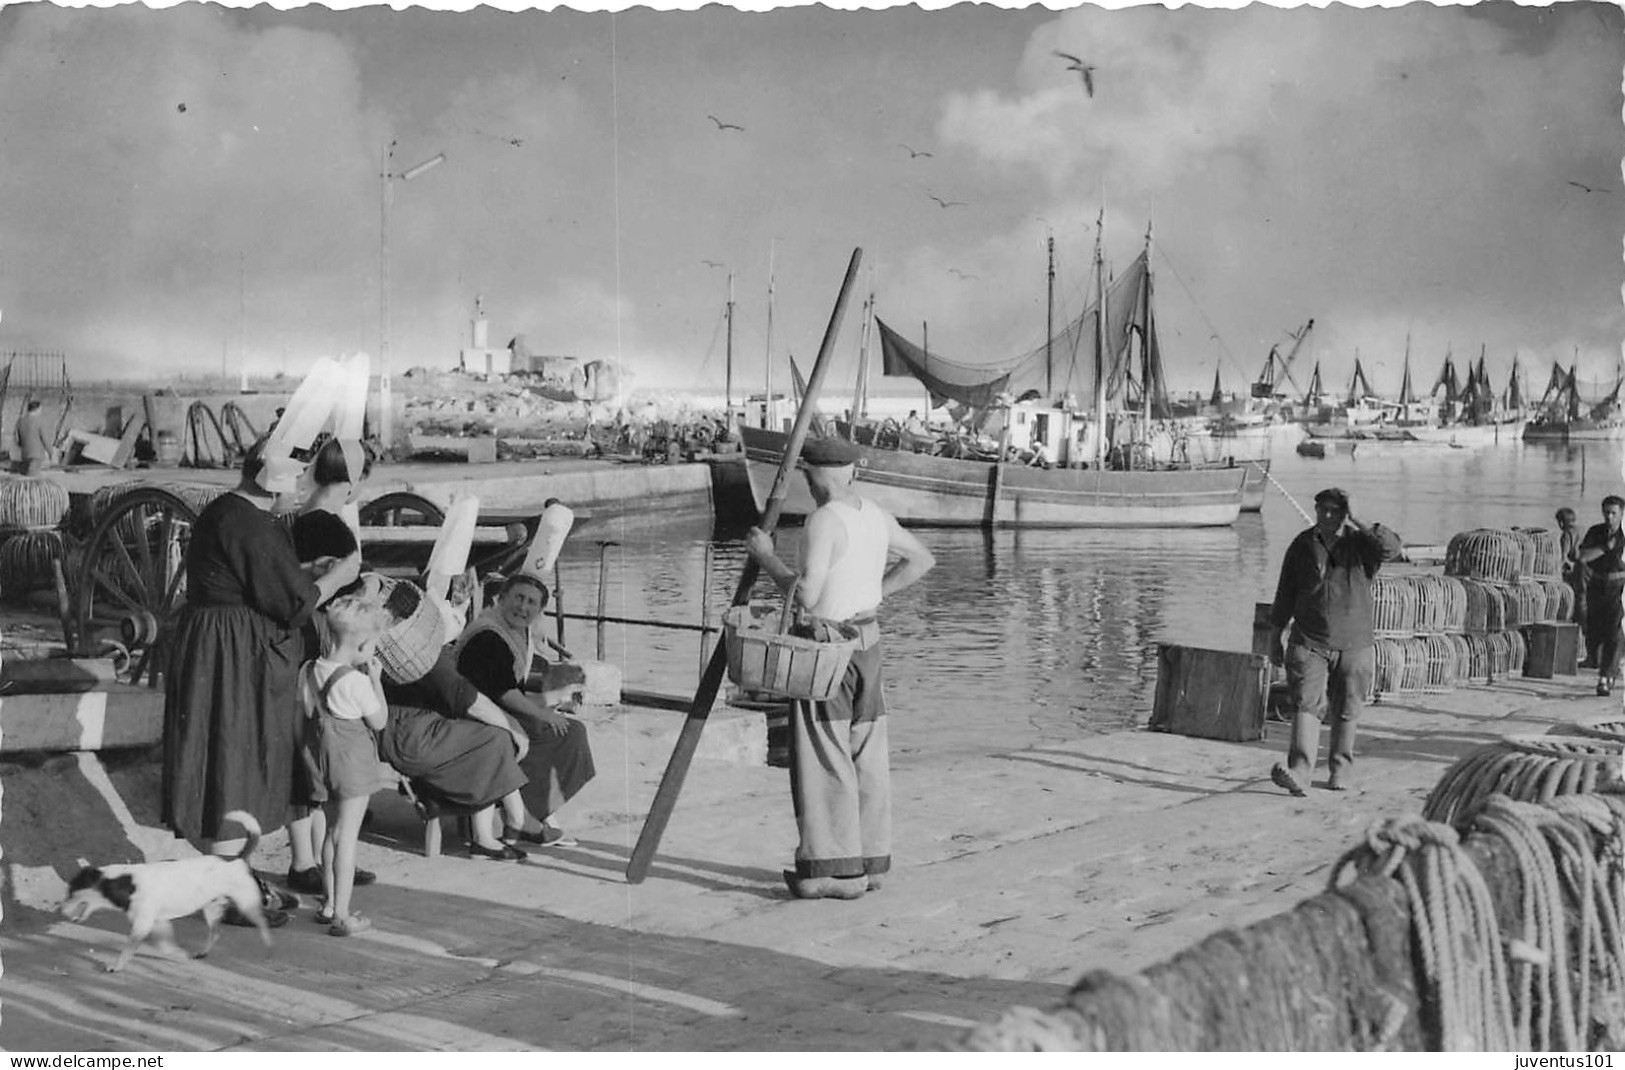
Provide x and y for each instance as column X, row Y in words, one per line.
column 840, row 777
column 1604, row 615
column 1323, row 682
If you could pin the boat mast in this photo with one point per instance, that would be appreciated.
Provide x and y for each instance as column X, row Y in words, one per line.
column 728, row 380
column 925, row 351
column 769, row 413
column 860, row 389
column 1145, row 337
column 1049, row 323
column 1100, row 343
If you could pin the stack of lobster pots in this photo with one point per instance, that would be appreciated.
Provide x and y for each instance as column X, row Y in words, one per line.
column 1436, row 632
column 31, row 514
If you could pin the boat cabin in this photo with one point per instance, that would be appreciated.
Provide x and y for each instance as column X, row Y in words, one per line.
column 1058, row 435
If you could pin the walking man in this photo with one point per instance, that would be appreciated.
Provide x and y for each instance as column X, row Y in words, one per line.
column 1330, row 656
column 840, row 774
column 1602, row 552
column 33, row 446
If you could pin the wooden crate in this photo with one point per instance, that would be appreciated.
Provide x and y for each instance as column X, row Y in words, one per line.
column 1211, row 694
column 1553, row 650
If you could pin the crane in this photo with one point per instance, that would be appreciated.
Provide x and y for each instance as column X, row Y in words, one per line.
column 1276, row 365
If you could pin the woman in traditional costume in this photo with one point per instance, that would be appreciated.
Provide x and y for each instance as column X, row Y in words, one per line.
column 495, row 653
column 231, row 714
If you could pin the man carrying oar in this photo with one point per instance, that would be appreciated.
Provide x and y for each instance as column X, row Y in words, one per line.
column 840, row 773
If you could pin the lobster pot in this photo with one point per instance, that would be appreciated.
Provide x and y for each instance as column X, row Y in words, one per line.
column 105, row 498
column 1491, row 554
column 1393, row 606
column 1527, row 550
column 1442, row 664
column 1461, row 654
column 1477, row 598
column 1531, row 602
column 30, row 504
column 1546, row 560
column 1390, row 668
column 1478, row 655
column 1413, row 676
column 1453, row 597
column 1507, row 651
column 1559, row 600
column 779, row 664
column 25, row 562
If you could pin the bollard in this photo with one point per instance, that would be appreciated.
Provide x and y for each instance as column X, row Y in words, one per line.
column 603, row 579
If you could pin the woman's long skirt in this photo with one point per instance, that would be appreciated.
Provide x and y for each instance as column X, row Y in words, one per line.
column 232, row 722
column 558, row 767
column 463, row 762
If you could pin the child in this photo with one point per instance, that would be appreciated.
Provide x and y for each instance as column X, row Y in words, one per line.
column 343, row 701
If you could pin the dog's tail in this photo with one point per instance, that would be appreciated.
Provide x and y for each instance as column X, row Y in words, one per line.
column 248, row 821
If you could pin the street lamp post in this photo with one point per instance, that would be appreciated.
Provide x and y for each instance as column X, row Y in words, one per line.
column 386, row 405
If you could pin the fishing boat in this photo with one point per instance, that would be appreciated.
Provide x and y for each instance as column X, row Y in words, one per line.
column 1027, row 456
column 1471, row 416
column 1564, row 415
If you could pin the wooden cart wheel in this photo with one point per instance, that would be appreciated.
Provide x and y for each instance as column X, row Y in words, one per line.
column 401, row 508
column 132, row 579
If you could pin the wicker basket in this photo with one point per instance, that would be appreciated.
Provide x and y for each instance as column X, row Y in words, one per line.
column 778, row 663
column 408, row 650
column 1559, row 600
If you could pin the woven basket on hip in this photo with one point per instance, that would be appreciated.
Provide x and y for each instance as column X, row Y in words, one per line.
column 409, row 649
column 778, row 663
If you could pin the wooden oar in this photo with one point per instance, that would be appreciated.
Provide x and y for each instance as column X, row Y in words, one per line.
column 688, row 740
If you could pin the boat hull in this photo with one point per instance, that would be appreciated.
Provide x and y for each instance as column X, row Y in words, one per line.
column 1471, row 436
column 925, row 491
column 1577, row 431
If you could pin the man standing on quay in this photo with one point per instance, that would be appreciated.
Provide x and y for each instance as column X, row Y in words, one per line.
column 1602, row 552
column 1330, row 658
column 840, row 773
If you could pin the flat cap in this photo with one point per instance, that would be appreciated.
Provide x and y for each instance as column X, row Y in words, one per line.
column 829, row 452
column 1334, row 495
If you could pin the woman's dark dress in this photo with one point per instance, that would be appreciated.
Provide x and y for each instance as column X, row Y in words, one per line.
column 558, row 766
column 231, row 713
column 430, row 740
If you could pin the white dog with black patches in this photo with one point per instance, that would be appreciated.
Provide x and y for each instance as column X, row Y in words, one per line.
column 153, row 894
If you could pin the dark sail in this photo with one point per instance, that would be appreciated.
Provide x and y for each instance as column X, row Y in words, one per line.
column 1065, row 366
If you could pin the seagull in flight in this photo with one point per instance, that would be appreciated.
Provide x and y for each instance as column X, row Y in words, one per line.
column 945, row 204
column 725, row 126
column 1087, row 70
column 516, row 142
column 1589, row 189
column 713, row 263
column 956, row 273
column 912, row 153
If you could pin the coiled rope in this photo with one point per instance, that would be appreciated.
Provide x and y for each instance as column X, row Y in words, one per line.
column 1453, row 914
column 1526, row 768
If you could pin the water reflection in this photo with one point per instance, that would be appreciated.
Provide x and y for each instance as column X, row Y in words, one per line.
column 1023, row 637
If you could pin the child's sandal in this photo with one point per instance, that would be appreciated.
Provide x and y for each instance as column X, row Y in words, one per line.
column 324, row 916
column 349, row 925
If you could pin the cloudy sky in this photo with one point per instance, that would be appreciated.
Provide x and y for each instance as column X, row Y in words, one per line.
column 197, row 188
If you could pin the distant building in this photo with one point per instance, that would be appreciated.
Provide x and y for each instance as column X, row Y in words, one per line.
column 478, row 358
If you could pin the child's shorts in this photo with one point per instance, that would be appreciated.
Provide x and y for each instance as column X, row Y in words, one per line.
column 340, row 758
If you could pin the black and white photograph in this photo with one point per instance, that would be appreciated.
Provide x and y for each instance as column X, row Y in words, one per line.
column 801, row 529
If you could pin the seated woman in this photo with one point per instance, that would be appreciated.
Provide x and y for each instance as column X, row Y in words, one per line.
column 454, row 744
column 495, row 653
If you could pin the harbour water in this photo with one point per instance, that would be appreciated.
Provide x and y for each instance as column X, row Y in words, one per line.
column 1021, row 638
